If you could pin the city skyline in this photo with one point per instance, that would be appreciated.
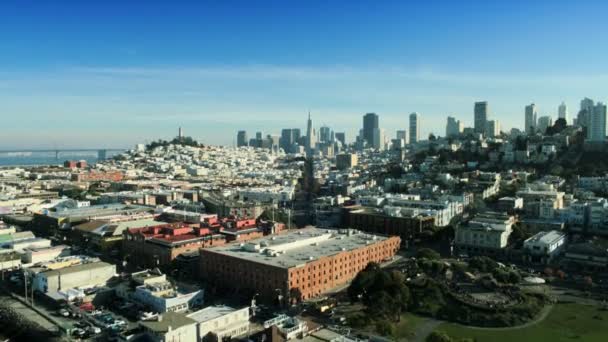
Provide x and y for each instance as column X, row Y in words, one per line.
column 101, row 86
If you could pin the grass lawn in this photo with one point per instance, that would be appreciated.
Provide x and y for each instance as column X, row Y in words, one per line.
column 408, row 324
column 566, row 322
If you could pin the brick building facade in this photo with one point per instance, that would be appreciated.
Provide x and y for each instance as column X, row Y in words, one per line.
column 160, row 245
column 307, row 262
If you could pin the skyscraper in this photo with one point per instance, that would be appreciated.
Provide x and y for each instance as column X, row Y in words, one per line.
column 585, row 113
column 287, row 139
column 297, row 134
column 414, row 128
column 241, row 138
column 311, row 140
column 324, row 134
column 454, row 127
column 481, row 116
column 370, row 123
column 402, row 134
column 562, row 112
column 596, row 131
column 341, row 137
column 493, row 128
column 530, row 120
column 378, row 139
column 544, row 122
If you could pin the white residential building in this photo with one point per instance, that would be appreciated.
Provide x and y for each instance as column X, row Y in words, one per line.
column 164, row 297
column 485, row 232
column 544, row 246
column 223, row 321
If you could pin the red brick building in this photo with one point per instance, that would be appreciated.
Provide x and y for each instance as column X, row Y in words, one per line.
column 300, row 263
column 241, row 230
column 95, row 176
column 160, row 245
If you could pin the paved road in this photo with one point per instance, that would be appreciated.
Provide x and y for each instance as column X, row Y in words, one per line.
column 28, row 313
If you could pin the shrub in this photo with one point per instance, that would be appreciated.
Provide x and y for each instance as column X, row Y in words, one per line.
column 385, row 328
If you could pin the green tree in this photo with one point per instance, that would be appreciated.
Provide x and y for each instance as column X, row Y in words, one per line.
column 483, row 264
column 438, row 336
column 210, row 337
column 427, row 253
column 385, row 328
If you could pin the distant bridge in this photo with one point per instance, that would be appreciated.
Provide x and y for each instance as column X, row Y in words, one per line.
column 101, row 152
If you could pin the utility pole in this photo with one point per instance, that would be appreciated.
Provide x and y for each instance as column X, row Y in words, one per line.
column 25, row 283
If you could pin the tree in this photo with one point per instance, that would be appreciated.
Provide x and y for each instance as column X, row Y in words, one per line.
column 438, row 336
column 514, row 277
column 427, row 253
column 483, row 264
column 211, row 337
column 385, row 328
column 384, row 293
column 518, row 235
column 295, row 294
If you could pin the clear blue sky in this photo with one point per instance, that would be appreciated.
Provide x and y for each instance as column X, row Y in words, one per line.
column 77, row 74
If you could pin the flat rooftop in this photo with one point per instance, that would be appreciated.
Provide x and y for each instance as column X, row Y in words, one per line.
column 89, row 266
column 547, row 237
column 211, row 313
column 170, row 320
column 296, row 248
column 98, row 210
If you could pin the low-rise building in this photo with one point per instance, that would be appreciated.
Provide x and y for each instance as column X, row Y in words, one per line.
column 82, row 275
column 33, row 255
column 163, row 296
column 484, row 234
column 169, row 327
column 158, row 246
column 544, row 246
column 221, row 320
column 297, row 265
column 376, row 221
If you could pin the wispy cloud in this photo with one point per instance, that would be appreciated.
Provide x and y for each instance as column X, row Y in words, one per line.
column 217, row 100
column 337, row 72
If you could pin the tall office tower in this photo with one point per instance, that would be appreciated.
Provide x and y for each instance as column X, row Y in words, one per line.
column 287, row 139
column 493, row 128
column 562, row 112
column 414, row 128
column 297, row 134
column 241, row 138
column 102, row 155
column 402, row 134
column 259, row 136
column 370, row 123
column 481, row 116
column 454, row 127
column 596, row 131
column 311, row 140
column 543, row 123
column 341, row 137
column 324, row 134
column 584, row 114
column 378, row 139
column 530, row 120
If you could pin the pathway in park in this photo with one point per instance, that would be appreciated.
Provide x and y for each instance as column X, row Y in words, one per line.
column 425, row 329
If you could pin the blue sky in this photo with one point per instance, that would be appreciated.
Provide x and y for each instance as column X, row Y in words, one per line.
column 110, row 74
